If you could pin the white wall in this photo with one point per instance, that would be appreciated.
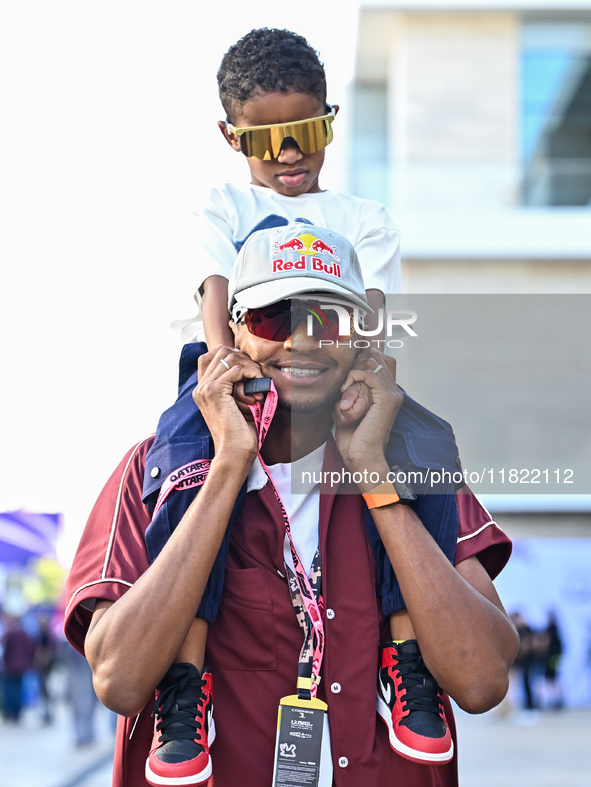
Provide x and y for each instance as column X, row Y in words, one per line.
column 109, row 131
column 454, row 101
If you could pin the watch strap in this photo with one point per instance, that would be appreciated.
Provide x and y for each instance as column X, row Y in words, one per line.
column 382, row 495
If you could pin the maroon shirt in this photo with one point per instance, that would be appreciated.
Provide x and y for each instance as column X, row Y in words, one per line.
column 254, row 643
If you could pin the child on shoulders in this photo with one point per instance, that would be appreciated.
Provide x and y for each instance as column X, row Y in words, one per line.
column 273, row 90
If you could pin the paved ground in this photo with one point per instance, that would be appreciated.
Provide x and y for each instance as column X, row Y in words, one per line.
column 36, row 756
column 551, row 750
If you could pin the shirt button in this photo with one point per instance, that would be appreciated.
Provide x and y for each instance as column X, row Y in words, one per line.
column 330, row 614
column 343, row 762
column 335, row 688
column 155, row 472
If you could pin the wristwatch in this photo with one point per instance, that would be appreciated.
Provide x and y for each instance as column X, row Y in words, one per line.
column 403, row 488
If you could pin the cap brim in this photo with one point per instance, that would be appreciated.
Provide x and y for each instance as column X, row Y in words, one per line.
column 272, row 291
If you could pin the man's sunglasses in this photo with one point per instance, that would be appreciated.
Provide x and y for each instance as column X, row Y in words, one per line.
column 277, row 321
column 265, row 142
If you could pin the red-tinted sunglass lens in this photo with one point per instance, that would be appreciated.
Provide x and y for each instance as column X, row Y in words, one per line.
column 278, row 321
column 270, row 322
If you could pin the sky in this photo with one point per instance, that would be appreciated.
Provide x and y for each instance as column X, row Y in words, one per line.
column 109, row 134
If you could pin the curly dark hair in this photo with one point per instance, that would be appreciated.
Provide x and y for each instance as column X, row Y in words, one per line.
column 268, row 60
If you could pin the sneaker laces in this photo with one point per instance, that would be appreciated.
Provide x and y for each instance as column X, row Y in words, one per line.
column 421, row 688
column 179, row 703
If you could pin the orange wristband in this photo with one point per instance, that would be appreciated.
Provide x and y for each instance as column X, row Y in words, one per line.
column 383, row 495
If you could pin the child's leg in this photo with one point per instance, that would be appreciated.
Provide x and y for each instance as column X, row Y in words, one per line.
column 184, row 727
column 410, row 703
column 192, row 650
column 401, row 626
column 409, row 699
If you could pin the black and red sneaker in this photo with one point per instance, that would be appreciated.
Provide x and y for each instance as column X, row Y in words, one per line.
column 409, row 701
column 183, row 730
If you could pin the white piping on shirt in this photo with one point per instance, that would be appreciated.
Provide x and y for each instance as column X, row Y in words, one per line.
column 137, row 718
column 117, row 505
column 96, row 582
column 476, row 532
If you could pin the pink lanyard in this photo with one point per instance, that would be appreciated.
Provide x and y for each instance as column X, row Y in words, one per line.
column 195, row 473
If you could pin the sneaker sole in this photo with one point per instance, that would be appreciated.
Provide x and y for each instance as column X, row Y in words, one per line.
column 405, row 751
column 196, row 779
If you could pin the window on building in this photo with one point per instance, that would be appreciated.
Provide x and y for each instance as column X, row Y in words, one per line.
column 369, row 171
column 556, row 113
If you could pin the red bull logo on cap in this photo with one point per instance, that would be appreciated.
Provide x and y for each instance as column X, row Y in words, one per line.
column 308, row 249
column 316, row 264
column 307, row 244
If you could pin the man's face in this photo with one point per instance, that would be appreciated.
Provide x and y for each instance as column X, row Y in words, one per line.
column 308, row 378
column 292, row 172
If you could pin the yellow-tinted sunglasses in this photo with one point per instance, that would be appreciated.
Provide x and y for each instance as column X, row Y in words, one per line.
column 265, row 142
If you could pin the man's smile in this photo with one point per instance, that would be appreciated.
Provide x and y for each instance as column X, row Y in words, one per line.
column 300, row 373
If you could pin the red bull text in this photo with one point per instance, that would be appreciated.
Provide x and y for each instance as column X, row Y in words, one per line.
column 316, row 264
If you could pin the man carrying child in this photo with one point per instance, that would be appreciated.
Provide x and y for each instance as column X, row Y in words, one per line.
column 133, row 618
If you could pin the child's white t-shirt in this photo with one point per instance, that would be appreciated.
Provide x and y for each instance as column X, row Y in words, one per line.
column 228, row 214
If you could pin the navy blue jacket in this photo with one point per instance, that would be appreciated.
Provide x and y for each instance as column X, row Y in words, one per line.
column 420, row 441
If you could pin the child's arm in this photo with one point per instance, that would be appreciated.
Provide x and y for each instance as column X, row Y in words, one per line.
column 376, row 300
column 215, row 254
column 214, row 308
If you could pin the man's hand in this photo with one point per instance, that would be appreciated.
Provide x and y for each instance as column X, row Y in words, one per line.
column 221, row 375
column 356, row 399
column 366, row 413
column 129, row 646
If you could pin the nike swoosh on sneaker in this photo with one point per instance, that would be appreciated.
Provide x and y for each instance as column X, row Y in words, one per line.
column 386, row 691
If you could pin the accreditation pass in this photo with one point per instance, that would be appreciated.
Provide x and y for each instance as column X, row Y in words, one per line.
column 302, row 751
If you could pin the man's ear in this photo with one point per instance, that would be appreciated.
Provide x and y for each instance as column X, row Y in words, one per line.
column 234, row 329
column 232, row 140
column 336, row 108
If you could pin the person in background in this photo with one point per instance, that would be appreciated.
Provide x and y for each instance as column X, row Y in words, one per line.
column 44, row 662
column 80, row 696
column 18, row 654
column 525, row 658
column 553, row 657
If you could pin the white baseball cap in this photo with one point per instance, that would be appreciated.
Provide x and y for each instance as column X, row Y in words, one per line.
column 286, row 261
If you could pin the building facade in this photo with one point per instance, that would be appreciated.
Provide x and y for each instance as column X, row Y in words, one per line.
column 472, row 121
